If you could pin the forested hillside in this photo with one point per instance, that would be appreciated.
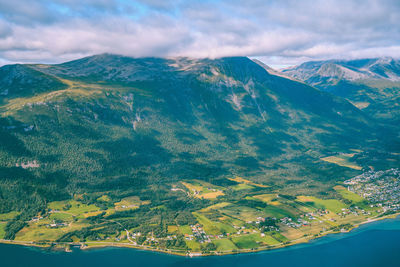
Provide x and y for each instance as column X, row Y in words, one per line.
column 122, row 127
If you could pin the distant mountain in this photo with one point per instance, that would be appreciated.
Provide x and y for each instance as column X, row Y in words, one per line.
column 330, row 72
column 135, row 126
column 273, row 71
column 371, row 84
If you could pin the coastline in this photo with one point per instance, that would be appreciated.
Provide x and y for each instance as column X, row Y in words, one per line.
column 65, row 246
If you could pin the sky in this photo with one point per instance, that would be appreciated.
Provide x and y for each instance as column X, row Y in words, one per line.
column 278, row 32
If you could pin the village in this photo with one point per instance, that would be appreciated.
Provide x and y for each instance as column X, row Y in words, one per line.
column 270, row 220
column 381, row 188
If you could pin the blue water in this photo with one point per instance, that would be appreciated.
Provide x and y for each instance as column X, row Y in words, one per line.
column 374, row 244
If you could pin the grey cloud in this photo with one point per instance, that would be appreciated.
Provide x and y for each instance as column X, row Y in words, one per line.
column 25, row 12
column 161, row 4
column 5, row 29
column 28, row 12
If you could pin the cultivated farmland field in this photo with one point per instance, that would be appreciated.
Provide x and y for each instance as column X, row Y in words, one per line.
column 333, row 205
column 224, row 245
column 348, row 194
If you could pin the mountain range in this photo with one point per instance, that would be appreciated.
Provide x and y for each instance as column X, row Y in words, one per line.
column 136, row 126
column 372, row 85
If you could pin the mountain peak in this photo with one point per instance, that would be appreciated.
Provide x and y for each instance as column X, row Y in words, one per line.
column 371, row 84
column 315, row 72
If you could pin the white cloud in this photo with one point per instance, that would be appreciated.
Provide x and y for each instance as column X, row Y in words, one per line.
column 288, row 31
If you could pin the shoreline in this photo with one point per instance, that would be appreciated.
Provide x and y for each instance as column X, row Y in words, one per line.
column 66, row 246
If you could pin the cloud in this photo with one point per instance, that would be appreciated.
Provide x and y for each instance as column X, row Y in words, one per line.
column 281, row 32
column 5, row 29
column 26, row 12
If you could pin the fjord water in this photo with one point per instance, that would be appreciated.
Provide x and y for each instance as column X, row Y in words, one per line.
column 374, row 244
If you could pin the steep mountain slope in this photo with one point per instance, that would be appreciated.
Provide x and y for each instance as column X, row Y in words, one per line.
column 125, row 126
column 371, row 84
column 16, row 79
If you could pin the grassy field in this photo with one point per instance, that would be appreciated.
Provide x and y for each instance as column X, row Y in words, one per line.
column 132, row 202
column 211, row 195
column 40, row 232
column 353, row 197
column 343, row 160
column 292, row 233
column 203, row 190
column 193, row 245
column 231, row 221
column 16, row 104
column 185, row 229
column 244, row 181
column 216, row 206
column 279, row 237
column 243, row 213
column 73, row 207
column 224, row 245
column 172, row 228
column 94, row 213
column 246, row 241
column 225, row 228
column 242, row 187
column 66, row 217
column 208, row 225
column 270, row 199
column 279, row 207
column 269, row 240
column 277, row 212
column 333, row 205
column 215, row 227
column 2, row 229
column 193, row 186
column 8, row 216
column 255, row 240
column 104, row 198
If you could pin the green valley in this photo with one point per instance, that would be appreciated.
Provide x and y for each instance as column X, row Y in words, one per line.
column 181, row 155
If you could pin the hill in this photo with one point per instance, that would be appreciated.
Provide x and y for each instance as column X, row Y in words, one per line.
column 372, row 85
column 105, row 128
